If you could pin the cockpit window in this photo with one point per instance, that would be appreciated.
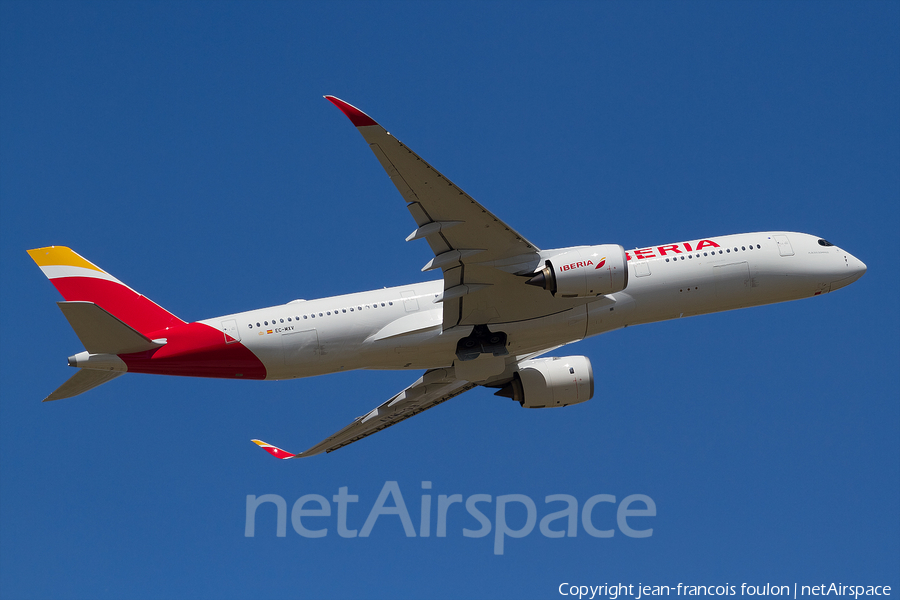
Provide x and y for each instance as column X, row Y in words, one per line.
column 825, row 243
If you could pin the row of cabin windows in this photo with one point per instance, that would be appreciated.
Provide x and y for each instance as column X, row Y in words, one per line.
column 727, row 250
column 326, row 313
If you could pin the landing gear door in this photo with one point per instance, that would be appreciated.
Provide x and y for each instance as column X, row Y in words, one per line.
column 230, row 329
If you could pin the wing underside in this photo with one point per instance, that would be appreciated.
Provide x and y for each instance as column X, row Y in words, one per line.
column 433, row 388
column 484, row 261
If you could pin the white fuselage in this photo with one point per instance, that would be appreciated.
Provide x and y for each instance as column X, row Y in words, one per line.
column 401, row 327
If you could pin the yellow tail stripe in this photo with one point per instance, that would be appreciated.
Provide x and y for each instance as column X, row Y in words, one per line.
column 60, row 256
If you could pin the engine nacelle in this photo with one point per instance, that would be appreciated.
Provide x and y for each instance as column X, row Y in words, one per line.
column 584, row 272
column 546, row 382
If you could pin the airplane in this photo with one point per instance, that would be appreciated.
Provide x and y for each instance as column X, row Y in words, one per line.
column 501, row 305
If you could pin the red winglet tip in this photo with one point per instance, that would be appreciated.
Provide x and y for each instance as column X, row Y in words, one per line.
column 356, row 116
column 274, row 451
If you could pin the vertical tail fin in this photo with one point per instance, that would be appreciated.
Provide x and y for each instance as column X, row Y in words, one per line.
column 77, row 279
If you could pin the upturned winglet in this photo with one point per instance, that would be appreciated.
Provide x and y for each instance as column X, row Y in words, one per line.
column 274, row 451
column 356, row 116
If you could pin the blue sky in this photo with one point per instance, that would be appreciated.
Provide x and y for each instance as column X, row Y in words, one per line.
column 185, row 148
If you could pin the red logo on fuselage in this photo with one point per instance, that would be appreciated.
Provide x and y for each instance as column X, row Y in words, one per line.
column 660, row 251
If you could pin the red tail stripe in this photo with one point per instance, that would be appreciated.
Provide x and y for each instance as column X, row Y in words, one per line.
column 124, row 303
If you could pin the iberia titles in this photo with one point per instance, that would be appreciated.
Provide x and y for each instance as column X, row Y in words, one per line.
column 661, row 251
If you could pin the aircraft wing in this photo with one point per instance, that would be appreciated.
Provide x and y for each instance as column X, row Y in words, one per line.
column 482, row 258
column 429, row 390
column 432, row 388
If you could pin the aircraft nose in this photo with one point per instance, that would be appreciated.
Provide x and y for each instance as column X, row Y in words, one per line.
column 856, row 269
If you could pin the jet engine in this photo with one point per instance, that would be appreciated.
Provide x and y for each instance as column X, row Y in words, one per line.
column 546, row 382
column 584, row 272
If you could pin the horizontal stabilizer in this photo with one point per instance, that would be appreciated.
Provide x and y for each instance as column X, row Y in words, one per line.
column 82, row 381
column 101, row 332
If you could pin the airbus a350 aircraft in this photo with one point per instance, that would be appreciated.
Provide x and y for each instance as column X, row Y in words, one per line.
column 502, row 303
